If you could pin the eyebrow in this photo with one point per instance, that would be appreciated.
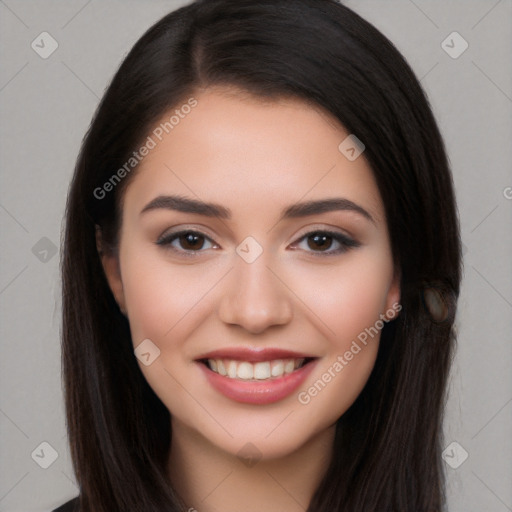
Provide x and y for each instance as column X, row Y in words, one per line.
column 304, row 209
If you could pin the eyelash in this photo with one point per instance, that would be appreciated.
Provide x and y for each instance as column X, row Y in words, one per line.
column 345, row 242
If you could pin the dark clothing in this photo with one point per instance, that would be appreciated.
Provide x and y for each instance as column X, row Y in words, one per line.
column 69, row 506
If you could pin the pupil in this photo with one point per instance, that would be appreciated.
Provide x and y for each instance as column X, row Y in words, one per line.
column 191, row 240
column 321, row 239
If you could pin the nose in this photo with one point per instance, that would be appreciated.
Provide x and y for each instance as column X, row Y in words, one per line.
column 255, row 297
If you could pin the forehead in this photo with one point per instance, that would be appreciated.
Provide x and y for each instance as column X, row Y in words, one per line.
column 242, row 151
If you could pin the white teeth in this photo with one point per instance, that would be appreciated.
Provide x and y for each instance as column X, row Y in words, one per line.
column 289, row 366
column 277, row 368
column 263, row 370
column 245, row 371
column 220, row 366
column 232, row 369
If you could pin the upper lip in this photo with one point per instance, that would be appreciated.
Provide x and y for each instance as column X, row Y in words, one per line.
column 253, row 355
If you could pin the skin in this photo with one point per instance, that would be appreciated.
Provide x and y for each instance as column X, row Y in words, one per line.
column 255, row 158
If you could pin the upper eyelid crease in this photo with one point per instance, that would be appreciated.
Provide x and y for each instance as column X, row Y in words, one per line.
column 188, row 205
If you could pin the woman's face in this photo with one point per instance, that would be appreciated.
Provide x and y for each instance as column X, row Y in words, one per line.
column 259, row 291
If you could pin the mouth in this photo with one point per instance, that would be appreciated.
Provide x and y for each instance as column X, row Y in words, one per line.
column 256, row 377
column 255, row 371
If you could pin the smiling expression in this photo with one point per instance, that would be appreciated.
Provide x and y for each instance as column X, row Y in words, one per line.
column 252, row 254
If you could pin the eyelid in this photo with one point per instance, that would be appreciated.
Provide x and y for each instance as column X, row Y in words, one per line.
column 316, row 228
column 200, row 230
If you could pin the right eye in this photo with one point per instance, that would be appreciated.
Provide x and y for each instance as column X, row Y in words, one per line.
column 190, row 241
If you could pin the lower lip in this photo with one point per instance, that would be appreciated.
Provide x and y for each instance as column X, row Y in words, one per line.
column 258, row 392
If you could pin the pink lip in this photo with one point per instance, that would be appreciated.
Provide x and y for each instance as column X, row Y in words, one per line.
column 253, row 355
column 254, row 392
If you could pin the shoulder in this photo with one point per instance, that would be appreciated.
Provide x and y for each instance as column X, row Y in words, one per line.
column 69, row 506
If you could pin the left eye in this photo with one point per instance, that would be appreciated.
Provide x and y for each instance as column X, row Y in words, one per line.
column 320, row 239
column 192, row 241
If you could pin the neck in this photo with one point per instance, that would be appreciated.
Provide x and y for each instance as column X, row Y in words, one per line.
column 209, row 479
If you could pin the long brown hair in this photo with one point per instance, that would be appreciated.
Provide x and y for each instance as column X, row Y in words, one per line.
column 388, row 444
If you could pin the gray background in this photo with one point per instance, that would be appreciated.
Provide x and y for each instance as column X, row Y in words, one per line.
column 46, row 106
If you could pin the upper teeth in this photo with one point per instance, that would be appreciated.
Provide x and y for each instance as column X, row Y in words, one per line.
column 260, row 371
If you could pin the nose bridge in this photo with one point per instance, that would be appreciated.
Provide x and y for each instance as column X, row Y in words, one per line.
column 255, row 298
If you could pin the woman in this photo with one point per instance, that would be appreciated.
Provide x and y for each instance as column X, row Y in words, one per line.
column 260, row 271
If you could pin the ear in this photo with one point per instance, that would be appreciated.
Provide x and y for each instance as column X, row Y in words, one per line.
column 393, row 305
column 110, row 263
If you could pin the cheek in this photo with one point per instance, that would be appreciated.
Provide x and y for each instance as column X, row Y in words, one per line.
column 348, row 298
column 162, row 298
column 348, row 301
column 164, row 304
